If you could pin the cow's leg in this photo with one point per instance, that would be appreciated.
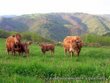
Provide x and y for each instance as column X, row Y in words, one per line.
column 79, row 51
column 44, row 52
column 76, row 53
column 13, row 52
column 22, row 53
column 27, row 52
column 71, row 53
column 8, row 51
column 65, row 51
column 52, row 52
column 19, row 53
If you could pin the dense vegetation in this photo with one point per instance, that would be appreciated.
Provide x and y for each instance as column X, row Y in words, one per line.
column 96, row 40
column 58, row 25
column 88, row 39
column 93, row 62
column 27, row 36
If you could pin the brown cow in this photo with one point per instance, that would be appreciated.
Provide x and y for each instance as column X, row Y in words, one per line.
column 47, row 47
column 23, row 48
column 12, row 43
column 72, row 44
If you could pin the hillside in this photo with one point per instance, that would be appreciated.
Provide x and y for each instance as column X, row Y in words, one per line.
column 58, row 25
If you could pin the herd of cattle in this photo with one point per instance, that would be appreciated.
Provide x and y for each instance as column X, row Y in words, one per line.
column 71, row 44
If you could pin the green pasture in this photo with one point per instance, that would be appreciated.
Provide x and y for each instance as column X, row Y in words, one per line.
column 93, row 62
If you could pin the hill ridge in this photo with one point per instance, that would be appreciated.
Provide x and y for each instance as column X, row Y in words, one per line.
column 58, row 25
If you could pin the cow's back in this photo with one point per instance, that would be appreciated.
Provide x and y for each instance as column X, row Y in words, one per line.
column 70, row 39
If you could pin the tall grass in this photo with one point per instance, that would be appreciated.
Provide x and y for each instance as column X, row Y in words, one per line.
column 92, row 62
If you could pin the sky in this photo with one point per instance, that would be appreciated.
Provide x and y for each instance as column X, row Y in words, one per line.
column 19, row 7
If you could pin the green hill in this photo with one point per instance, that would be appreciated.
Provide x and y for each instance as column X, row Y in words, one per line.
column 58, row 25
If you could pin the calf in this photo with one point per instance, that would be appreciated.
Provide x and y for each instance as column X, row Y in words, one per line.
column 23, row 48
column 47, row 47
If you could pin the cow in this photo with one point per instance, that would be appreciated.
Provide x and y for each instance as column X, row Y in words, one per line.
column 23, row 48
column 12, row 43
column 47, row 47
column 72, row 44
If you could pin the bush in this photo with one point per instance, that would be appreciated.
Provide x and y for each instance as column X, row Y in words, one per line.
column 25, row 36
column 95, row 40
column 33, row 37
column 4, row 34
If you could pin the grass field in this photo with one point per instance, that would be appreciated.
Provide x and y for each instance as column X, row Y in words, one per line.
column 93, row 62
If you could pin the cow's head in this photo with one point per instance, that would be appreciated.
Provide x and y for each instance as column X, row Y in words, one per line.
column 78, row 46
column 79, row 43
column 75, row 47
column 18, row 37
column 15, row 40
